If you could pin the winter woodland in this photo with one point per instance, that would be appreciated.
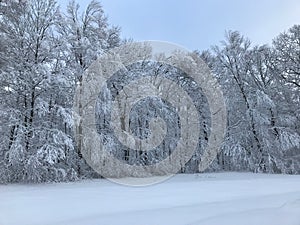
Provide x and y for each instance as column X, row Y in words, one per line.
column 44, row 52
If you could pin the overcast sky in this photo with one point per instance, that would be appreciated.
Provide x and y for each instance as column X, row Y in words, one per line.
column 198, row 24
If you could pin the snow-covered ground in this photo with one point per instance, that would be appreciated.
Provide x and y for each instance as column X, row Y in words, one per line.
column 215, row 198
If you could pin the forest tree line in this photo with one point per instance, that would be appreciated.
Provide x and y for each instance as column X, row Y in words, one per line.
column 44, row 52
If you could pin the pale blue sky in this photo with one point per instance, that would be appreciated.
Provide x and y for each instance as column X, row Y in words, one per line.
column 198, row 24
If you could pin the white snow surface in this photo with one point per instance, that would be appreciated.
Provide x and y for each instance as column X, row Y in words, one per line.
column 194, row 199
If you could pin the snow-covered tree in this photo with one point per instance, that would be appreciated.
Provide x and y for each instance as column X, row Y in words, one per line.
column 38, row 79
column 84, row 37
column 263, row 134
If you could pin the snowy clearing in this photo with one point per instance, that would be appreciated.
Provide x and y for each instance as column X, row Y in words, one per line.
column 206, row 199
